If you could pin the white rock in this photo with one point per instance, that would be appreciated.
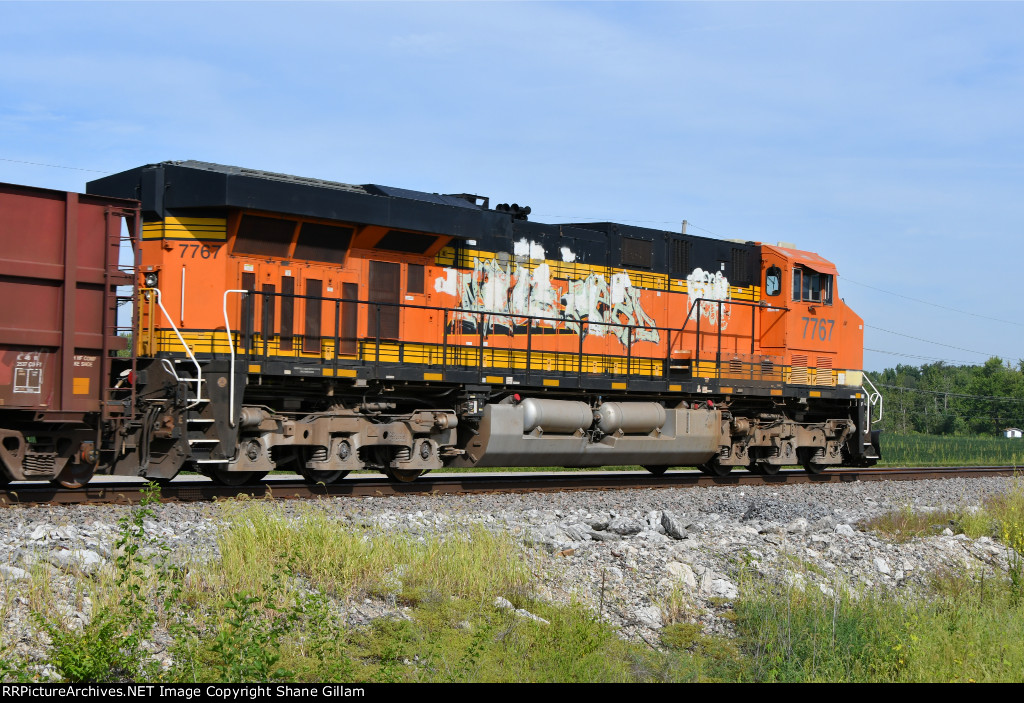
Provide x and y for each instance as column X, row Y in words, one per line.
column 845, row 530
column 649, row 616
column 527, row 614
column 673, row 525
column 624, row 526
column 797, row 581
column 798, row 526
column 682, row 573
column 84, row 561
column 654, row 519
column 613, row 574
column 723, row 588
column 502, row 603
column 13, row 573
column 66, row 533
column 882, row 565
column 653, row 537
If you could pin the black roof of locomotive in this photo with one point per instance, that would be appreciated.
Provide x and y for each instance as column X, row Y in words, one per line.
column 177, row 187
column 171, row 186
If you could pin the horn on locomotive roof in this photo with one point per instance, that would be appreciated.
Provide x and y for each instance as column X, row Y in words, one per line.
column 517, row 212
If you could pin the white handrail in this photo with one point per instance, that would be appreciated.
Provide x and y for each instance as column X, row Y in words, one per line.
column 231, row 348
column 199, row 370
column 873, row 397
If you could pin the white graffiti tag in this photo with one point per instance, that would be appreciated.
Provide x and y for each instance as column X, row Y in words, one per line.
column 710, row 285
column 504, row 301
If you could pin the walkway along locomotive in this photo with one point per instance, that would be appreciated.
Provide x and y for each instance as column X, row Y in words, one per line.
column 286, row 322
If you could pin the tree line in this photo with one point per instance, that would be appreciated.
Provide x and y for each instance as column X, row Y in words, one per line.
column 940, row 399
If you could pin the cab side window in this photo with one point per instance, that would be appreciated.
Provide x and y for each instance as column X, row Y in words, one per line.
column 811, row 286
column 773, row 281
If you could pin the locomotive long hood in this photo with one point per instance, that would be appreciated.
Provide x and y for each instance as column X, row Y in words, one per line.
column 189, row 185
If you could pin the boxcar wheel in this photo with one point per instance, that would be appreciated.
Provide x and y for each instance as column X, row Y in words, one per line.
column 75, row 475
column 657, row 470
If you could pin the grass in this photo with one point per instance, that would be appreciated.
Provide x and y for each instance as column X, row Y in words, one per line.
column 999, row 517
column 346, row 561
column 950, row 450
column 962, row 633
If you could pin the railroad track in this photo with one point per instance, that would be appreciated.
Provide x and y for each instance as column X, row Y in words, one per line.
column 111, row 490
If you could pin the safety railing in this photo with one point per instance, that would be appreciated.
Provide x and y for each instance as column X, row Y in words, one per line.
column 231, row 348
column 874, row 399
column 534, row 355
column 168, row 366
column 719, row 328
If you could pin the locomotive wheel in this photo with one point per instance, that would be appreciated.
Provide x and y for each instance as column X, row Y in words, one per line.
column 715, row 468
column 236, row 478
column 324, row 477
column 75, row 475
column 810, row 466
column 403, row 475
column 763, row 468
column 657, row 470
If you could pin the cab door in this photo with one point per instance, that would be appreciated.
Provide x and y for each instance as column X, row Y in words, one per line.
column 772, row 321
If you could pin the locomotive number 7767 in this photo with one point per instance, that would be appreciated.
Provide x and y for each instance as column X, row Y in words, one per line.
column 820, row 328
column 205, row 251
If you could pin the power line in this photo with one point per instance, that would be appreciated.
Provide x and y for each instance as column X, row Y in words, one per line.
column 929, row 341
column 952, row 395
column 920, row 357
column 70, row 168
column 934, row 305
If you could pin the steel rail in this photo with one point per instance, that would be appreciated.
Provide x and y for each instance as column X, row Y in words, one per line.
column 188, row 490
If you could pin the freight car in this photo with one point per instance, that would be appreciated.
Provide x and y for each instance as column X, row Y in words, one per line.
column 323, row 327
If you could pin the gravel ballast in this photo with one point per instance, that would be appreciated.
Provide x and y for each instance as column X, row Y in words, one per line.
column 621, row 552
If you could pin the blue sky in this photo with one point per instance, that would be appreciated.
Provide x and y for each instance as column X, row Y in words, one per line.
column 885, row 136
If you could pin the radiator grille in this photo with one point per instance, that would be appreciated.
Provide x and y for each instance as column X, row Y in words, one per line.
column 824, row 374
column 798, row 374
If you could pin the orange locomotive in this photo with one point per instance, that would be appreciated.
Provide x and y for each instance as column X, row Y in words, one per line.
column 286, row 322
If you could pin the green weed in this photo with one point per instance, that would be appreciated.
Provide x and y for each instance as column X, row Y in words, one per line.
column 111, row 646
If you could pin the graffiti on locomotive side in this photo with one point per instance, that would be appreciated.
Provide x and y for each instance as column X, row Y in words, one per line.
column 511, row 296
column 710, row 285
